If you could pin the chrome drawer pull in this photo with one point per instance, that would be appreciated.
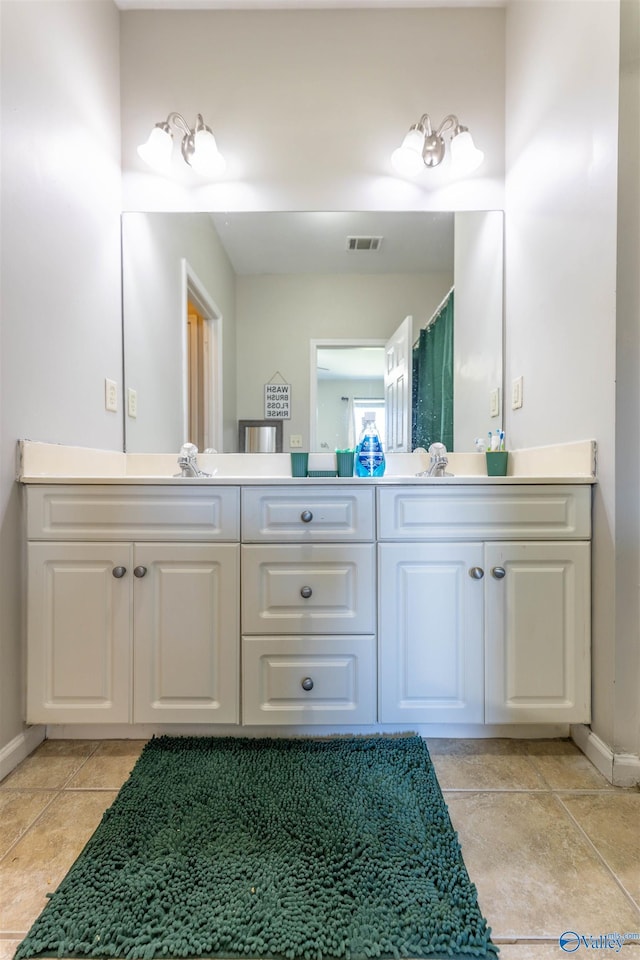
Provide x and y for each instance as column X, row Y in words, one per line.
column 476, row 573
column 306, row 516
column 499, row 572
column 307, row 684
column 119, row 572
column 139, row 572
column 306, row 592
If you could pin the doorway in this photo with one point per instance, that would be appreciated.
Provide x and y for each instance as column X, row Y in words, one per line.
column 202, row 364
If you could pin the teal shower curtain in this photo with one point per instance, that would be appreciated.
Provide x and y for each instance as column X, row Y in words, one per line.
column 432, row 401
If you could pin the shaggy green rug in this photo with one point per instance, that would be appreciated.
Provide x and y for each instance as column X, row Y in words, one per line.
column 302, row 848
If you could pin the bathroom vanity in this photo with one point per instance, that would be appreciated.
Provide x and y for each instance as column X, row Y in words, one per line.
column 279, row 602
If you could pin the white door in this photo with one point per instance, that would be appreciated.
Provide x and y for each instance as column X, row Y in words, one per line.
column 397, row 388
column 186, row 632
column 537, row 632
column 78, row 632
column 431, row 617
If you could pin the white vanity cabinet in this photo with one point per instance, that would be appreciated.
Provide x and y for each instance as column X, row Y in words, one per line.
column 132, row 611
column 484, row 604
column 308, row 605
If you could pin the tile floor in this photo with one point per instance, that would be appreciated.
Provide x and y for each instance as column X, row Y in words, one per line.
column 550, row 845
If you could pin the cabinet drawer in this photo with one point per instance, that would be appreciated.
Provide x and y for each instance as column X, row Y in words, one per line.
column 317, row 588
column 307, row 514
column 487, row 513
column 132, row 513
column 312, row 680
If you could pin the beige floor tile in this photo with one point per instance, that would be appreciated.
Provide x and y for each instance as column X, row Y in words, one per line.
column 612, row 823
column 109, row 766
column 18, row 810
column 66, row 748
column 486, row 772
column 535, row 873
column 553, row 951
column 501, row 747
column 563, row 766
column 39, row 861
column 51, row 765
column 120, row 748
column 8, row 948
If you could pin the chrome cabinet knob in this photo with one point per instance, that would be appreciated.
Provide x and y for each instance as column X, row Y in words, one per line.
column 307, row 684
column 119, row 572
column 139, row 572
column 306, row 516
column 306, row 592
column 499, row 572
column 476, row 573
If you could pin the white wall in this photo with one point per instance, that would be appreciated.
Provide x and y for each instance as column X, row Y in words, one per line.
column 307, row 105
column 311, row 306
column 60, row 271
column 154, row 246
column 477, row 337
column 561, row 169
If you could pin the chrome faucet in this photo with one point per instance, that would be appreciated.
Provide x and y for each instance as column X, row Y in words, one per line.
column 437, row 462
column 188, row 462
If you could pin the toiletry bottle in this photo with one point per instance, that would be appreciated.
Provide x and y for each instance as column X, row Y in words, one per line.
column 370, row 460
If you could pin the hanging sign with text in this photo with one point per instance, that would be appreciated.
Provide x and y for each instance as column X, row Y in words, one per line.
column 277, row 401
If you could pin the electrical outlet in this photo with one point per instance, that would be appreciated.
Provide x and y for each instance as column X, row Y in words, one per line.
column 110, row 395
column 494, row 402
column 516, row 393
column 132, row 403
column 295, row 440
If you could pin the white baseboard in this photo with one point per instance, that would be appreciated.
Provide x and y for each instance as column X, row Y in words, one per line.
column 620, row 769
column 19, row 748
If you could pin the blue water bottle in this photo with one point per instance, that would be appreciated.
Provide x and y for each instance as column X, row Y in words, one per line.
column 370, row 460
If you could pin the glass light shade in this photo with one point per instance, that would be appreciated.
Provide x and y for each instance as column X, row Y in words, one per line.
column 157, row 150
column 465, row 156
column 206, row 159
column 407, row 159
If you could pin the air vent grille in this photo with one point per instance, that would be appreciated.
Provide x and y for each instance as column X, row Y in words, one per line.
column 364, row 244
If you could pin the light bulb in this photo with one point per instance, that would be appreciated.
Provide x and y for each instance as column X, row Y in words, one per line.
column 205, row 158
column 465, row 156
column 407, row 159
column 157, row 149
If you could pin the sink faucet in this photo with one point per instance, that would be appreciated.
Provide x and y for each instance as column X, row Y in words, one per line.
column 188, row 462
column 437, row 462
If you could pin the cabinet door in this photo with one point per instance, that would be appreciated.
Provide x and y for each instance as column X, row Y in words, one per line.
column 78, row 632
column 537, row 633
column 431, row 618
column 186, row 633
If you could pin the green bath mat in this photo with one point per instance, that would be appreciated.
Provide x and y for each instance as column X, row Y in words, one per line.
column 270, row 848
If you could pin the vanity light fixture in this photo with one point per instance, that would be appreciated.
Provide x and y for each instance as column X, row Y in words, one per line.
column 424, row 146
column 199, row 148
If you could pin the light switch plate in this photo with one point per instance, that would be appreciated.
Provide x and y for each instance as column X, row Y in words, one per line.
column 295, row 440
column 516, row 393
column 494, row 402
column 110, row 395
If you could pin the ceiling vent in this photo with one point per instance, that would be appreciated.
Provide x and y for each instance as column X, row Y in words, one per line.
column 365, row 244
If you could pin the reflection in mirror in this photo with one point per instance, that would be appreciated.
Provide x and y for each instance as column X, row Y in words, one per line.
column 348, row 380
column 282, row 280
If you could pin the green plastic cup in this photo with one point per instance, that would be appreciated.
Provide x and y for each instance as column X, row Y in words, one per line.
column 497, row 461
column 299, row 464
column 344, row 462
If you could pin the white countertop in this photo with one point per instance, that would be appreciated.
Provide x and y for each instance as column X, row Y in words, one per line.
column 41, row 462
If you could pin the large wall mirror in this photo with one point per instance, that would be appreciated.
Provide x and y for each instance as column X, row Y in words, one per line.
column 217, row 306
